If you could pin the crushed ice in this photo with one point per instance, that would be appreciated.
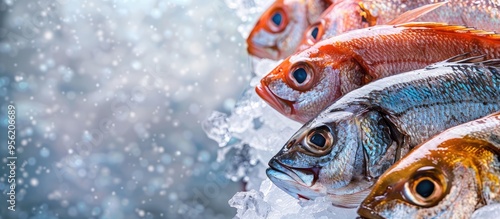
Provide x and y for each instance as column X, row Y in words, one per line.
column 254, row 132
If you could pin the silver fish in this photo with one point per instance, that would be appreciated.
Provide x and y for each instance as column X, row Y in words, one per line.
column 449, row 176
column 351, row 143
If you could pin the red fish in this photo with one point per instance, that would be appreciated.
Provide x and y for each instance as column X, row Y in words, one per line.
column 337, row 19
column 279, row 30
column 307, row 82
column 356, row 14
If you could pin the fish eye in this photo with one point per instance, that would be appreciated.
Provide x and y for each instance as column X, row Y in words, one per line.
column 277, row 20
column 315, row 33
column 301, row 77
column 425, row 189
column 319, row 141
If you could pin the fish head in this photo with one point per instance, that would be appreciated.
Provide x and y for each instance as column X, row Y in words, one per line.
column 314, row 33
column 440, row 183
column 278, row 31
column 337, row 19
column 322, row 159
column 305, row 83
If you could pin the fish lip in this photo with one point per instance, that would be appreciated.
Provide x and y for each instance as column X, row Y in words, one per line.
column 281, row 179
column 263, row 52
column 366, row 212
column 274, row 101
column 294, row 173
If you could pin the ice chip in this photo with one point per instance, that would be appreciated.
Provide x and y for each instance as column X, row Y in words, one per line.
column 217, row 128
column 250, row 205
column 239, row 161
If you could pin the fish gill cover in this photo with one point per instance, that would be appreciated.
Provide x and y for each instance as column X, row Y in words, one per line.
column 253, row 132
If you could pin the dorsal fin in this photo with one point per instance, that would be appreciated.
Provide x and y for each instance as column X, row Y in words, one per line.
column 411, row 15
column 466, row 59
column 492, row 63
column 444, row 27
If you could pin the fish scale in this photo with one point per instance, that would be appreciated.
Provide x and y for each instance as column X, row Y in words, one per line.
column 484, row 14
column 361, row 56
column 380, row 122
column 465, row 89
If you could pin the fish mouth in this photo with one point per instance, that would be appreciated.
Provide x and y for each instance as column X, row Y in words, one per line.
column 367, row 207
column 263, row 52
column 366, row 212
column 285, row 107
column 295, row 181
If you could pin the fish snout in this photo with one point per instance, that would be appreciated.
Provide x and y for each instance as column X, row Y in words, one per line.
column 283, row 106
column 304, row 176
column 367, row 207
column 260, row 51
column 297, row 182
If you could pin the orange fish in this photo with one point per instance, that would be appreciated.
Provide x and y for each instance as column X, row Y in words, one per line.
column 309, row 81
column 448, row 176
column 352, row 14
column 279, row 30
column 337, row 19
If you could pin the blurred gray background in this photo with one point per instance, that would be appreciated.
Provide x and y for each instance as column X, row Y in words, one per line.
column 110, row 96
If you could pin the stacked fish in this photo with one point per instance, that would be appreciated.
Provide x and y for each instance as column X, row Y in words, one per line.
column 400, row 117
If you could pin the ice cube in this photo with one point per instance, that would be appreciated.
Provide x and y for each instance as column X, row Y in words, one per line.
column 250, row 205
column 217, row 128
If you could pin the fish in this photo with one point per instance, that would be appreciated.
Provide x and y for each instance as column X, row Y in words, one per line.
column 449, row 176
column 307, row 82
column 336, row 19
column 279, row 29
column 357, row 14
column 340, row 153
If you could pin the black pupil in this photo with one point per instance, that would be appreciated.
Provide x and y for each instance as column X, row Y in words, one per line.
column 425, row 188
column 276, row 18
column 300, row 75
column 314, row 32
column 318, row 140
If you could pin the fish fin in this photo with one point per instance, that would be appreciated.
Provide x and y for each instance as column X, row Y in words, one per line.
column 449, row 28
column 411, row 15
column 480, row 59
column 366, row 15
column 348, row 200
column 464, row 58
column 492, row 62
